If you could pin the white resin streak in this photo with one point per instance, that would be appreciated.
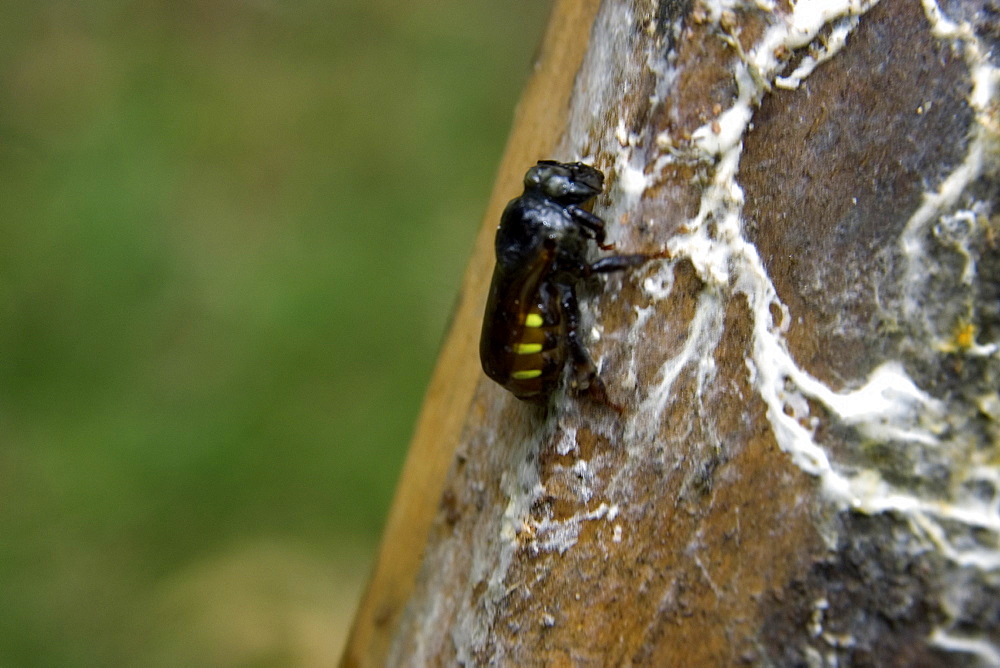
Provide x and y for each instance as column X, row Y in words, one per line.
column 889, row 408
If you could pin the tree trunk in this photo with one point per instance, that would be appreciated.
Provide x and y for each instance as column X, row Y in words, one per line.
column 804, row 467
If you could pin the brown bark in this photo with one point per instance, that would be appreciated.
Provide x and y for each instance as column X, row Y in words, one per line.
column 806, row 466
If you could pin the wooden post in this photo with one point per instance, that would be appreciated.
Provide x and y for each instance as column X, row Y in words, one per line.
column 539, row 121
column 806, row 465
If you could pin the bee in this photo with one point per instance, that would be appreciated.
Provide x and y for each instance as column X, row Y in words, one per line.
column 532, row 320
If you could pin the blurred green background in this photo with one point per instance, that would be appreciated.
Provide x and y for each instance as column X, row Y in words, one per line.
column 232, row 233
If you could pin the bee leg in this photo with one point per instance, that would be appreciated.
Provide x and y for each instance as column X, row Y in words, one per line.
column 583, row 376
column 607, row 265
column 591, row 223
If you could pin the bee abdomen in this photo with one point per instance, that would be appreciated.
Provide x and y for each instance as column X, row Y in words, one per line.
column 536, row 358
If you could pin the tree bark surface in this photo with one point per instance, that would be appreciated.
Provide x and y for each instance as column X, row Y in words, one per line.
column 803, row 467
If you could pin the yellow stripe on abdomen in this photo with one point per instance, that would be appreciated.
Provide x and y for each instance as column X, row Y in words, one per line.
column 528, row 362
column 533, row 320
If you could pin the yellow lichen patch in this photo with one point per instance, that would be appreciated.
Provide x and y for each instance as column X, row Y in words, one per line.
column 963, row 337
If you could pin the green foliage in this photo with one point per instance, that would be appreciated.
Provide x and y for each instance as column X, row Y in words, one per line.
column 233, row 233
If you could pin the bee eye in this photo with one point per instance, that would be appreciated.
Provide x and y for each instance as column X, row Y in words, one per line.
column 557, row 186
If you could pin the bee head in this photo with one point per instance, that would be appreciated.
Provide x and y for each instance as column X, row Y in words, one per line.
column 564, row 182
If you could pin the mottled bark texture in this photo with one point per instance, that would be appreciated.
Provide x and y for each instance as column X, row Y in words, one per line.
column 804, row 466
